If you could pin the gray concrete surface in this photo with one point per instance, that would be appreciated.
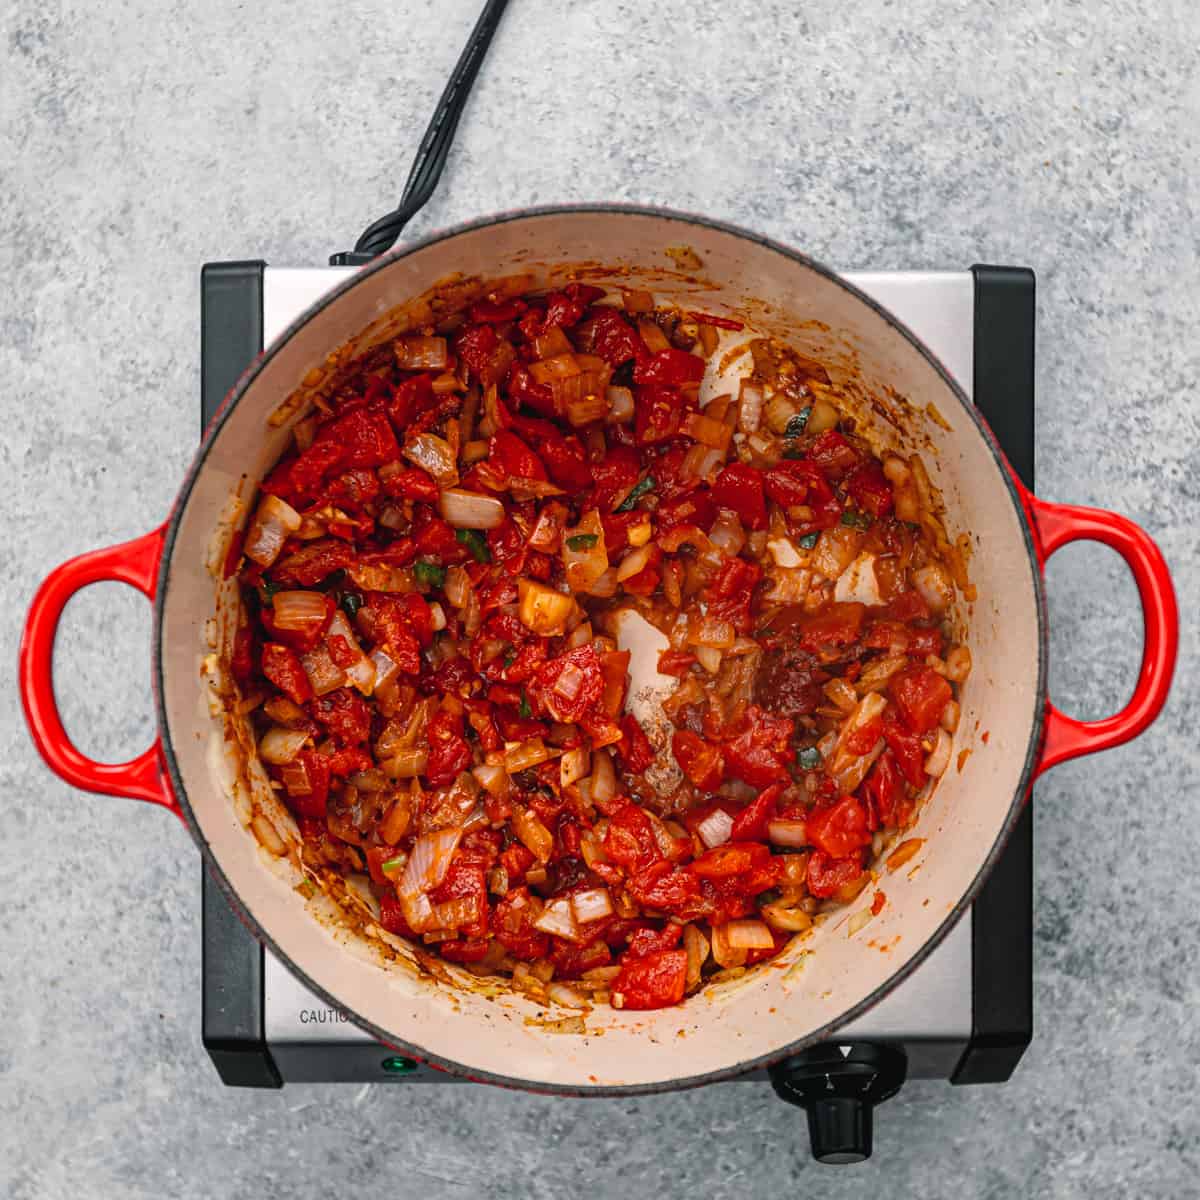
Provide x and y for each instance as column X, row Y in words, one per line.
column 139, row 139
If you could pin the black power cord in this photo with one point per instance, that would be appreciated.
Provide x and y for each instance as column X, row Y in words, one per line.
column 435, row 145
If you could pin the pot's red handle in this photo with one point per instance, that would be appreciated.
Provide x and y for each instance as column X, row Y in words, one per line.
column 1058, row 524
column 142, row 778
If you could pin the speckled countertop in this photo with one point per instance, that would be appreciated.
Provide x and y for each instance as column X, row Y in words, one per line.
column 138, row 140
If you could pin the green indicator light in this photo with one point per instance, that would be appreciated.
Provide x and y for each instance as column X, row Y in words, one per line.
column 395, row 1065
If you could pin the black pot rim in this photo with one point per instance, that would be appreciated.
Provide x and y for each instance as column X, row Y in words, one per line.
column 465, row 1070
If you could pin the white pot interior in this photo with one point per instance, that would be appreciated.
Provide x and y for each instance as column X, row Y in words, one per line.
column 819, row 981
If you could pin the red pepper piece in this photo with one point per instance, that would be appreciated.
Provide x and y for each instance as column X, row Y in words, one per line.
column 345, row 714
column 838, row 625
column 730, row 596
column 750, row 825
column 670, row 367
column 827, row 875
column 449, row 753
column 630, row 838
column 658, row 410
column 608, row 335
column 513, row 457
column 869, row 489
column 412, row 399
column 906, row 746
column 833, row 454
column 316, row 561
column 281, row 665
column 635, row 747
column 412, row 484
column 649, row 941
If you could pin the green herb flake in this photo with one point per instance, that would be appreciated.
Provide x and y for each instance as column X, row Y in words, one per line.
column 394, row 864
column 768, row 897
column 638, row 490
column 474, row 541
column 429, row 573
column 809, row 758
column 583, row 541
column 510, row 657
column 797, row 424
column 525, row 711
column 351, row 603
column 856, row 520
column 808, row 541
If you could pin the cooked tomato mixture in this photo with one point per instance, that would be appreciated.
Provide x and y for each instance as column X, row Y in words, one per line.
column 434, row 585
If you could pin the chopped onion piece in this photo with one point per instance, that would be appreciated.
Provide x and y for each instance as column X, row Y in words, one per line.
column 302, row 611
column 716, row 828
column 935, row 585
column 591, row 905
column 520, row 755
column 725, row 954
column 727, row 533
column 700, row 461
column 435, row 455
column 280, row 746
column 749, row 935
column 786, row 920
column 544, row 610
column 785, row 832
column 696, row 945
column 273, row 522
column 556, row 918
column 458, row 587
column 708, row 658
column 823, row 416
column 406, row 764
column 939, row 757
column 620, row 406
column 750, row 406
column 584, row 553
column 421, row 353
column 604, row 778
column 710, row 631
column 470, row 510
column 428, row 862
column 323, row 673
column 437, row 617
column 573, row 766
column 493, row 778
column 950, row 716
column 535, row 837
column 633, row 563
column 361, row 673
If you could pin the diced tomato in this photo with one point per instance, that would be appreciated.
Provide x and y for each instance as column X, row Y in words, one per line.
column 366, row 439
column 630, row 838
column 512, row 924
column 658, row 410
column 665, row 887
column 302, row 477
column 376, row 856
column 750, row 825
column 497, row 312
column 566, row 307
column 868, row 488
column 690, row 508
column 352, row 491
column 516, row 860
column 909, row 606
column 656, row 981
column 635, row 747
column 571, row 684
column 828, row 875
column 614, row 477
column 863, row 738
column 909, row 755
column 412, row 398
column 797, row 481
column 740, row 487
column 412, row 484
column 920, row 695
column 883, row 792
column 474, row 345
column 391, row 915
column 242, row 661
column 838, row 625
column 840, row 829
column 908, row 639
column 733, row 859
column 282, row 666
column 449, row 753
column 570, row 960
column 523, row 391
column 670, row 367
column 316, row 561
column 649, row 941
column 608, row 335
column 614, row 666
column 434, row 538
column 702, row 762
column 730, row 596
column 833, row 454
column 513, row 457
column 758, row 752
column 675, row 662
column 465, row 950
column 341, row 652
column 316, row 768
column 345, row 714
column 464, row 880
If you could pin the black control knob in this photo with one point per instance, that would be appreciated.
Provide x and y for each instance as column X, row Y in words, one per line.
column 839, row 1085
